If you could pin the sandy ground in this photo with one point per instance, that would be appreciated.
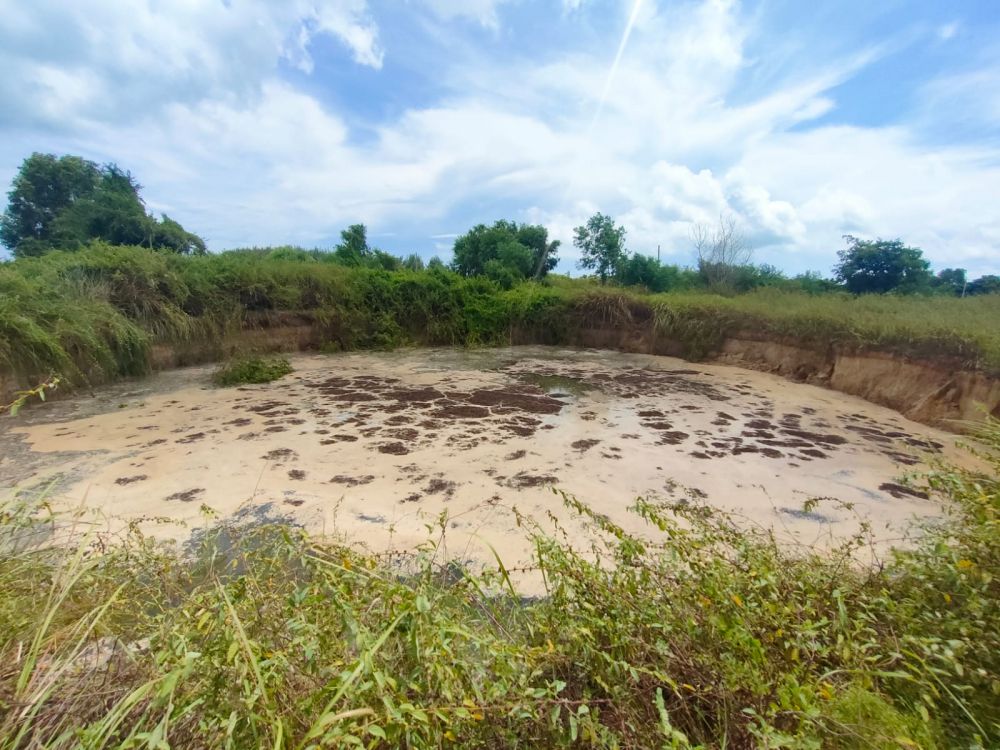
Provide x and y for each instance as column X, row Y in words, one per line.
column 377, row 446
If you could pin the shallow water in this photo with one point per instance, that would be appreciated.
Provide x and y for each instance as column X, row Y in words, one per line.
column 376, row 446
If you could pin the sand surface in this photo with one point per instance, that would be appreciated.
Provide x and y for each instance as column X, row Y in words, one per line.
column 376, row 446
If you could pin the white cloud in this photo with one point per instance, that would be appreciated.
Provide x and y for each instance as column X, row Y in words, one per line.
column 228, row 148
column 122, row 59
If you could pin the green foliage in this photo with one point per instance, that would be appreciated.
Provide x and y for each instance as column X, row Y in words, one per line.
column 984, row 285
column 648, row 272
column 882, row 266
column 95, row 314
column 601, row 245
column 251, row 369
column 696, row 633
column 506, row 252
column 66, row 202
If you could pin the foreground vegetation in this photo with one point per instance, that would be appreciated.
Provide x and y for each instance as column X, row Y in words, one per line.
column 96, row 314
column 711, row 637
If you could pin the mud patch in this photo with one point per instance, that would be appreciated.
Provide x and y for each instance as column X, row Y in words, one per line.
column 129, row 480
column 901, row 492
column 187, row 496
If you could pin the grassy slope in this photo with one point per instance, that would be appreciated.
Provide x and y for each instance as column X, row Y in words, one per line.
column 712, row 638
column 95, row 314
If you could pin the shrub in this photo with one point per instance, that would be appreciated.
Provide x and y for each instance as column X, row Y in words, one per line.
column 251, row 369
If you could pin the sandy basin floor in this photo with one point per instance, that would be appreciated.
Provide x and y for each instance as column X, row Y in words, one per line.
column 375, row 446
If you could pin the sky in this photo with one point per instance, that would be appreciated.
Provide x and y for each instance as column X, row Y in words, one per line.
column 267, row 122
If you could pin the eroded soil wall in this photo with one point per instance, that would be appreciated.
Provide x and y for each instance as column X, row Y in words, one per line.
column 936, row 393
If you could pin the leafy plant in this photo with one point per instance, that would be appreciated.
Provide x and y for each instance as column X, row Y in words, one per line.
column 251, row 369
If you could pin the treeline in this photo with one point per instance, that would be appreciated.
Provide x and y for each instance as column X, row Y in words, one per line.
column 66, row 202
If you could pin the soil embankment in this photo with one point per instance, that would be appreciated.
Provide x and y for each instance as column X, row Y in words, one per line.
column 935, row 392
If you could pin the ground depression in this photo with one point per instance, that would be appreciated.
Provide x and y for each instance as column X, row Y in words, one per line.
column 376, row 446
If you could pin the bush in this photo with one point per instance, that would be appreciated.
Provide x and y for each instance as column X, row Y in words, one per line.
column 251, row 370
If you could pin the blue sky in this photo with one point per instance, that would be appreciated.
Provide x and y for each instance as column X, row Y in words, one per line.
column 260, row 122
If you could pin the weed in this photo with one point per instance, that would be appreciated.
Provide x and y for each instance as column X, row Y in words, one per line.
column 251, row 369
column 698, row 634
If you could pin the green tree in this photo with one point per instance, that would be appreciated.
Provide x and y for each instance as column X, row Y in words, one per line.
column 644, row 270
column 353, row 249
column 44, row 187
column 170, row 235
column 984, row 285
column 66, row 202
column 506, row 249
column 879, row 266
column 950, row 281
column 601, row 245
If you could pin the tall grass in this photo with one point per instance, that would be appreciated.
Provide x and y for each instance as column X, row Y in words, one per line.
column 708, row 636
column 95, row 315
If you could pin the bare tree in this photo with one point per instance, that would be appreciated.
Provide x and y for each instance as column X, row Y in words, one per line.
column 721, row 251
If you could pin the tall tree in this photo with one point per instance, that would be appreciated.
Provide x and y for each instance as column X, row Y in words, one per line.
column 353, row 249
column 65, row 202
column 44, row 187
column 879, row 266
column 601, row 245
column 520, row 250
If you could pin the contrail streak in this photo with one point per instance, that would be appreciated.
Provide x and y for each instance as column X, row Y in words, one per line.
column 608, row 83
column 618, row 58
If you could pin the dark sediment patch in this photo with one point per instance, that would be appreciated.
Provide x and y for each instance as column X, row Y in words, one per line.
column 523, row 480
column 130, row 480
column 672, row 437
column 280, row 454
column 352, row 481
column 515, row 455
column 584, row 445
column 393, row 449
column 186, row 496
column 192, row 438
column 901, row 492
column 440, row 486
column 296, row 474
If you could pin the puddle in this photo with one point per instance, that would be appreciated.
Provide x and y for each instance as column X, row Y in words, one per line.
column 377, row 446
column 557, row 386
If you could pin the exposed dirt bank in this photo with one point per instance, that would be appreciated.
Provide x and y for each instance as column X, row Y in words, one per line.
column 934, row 392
